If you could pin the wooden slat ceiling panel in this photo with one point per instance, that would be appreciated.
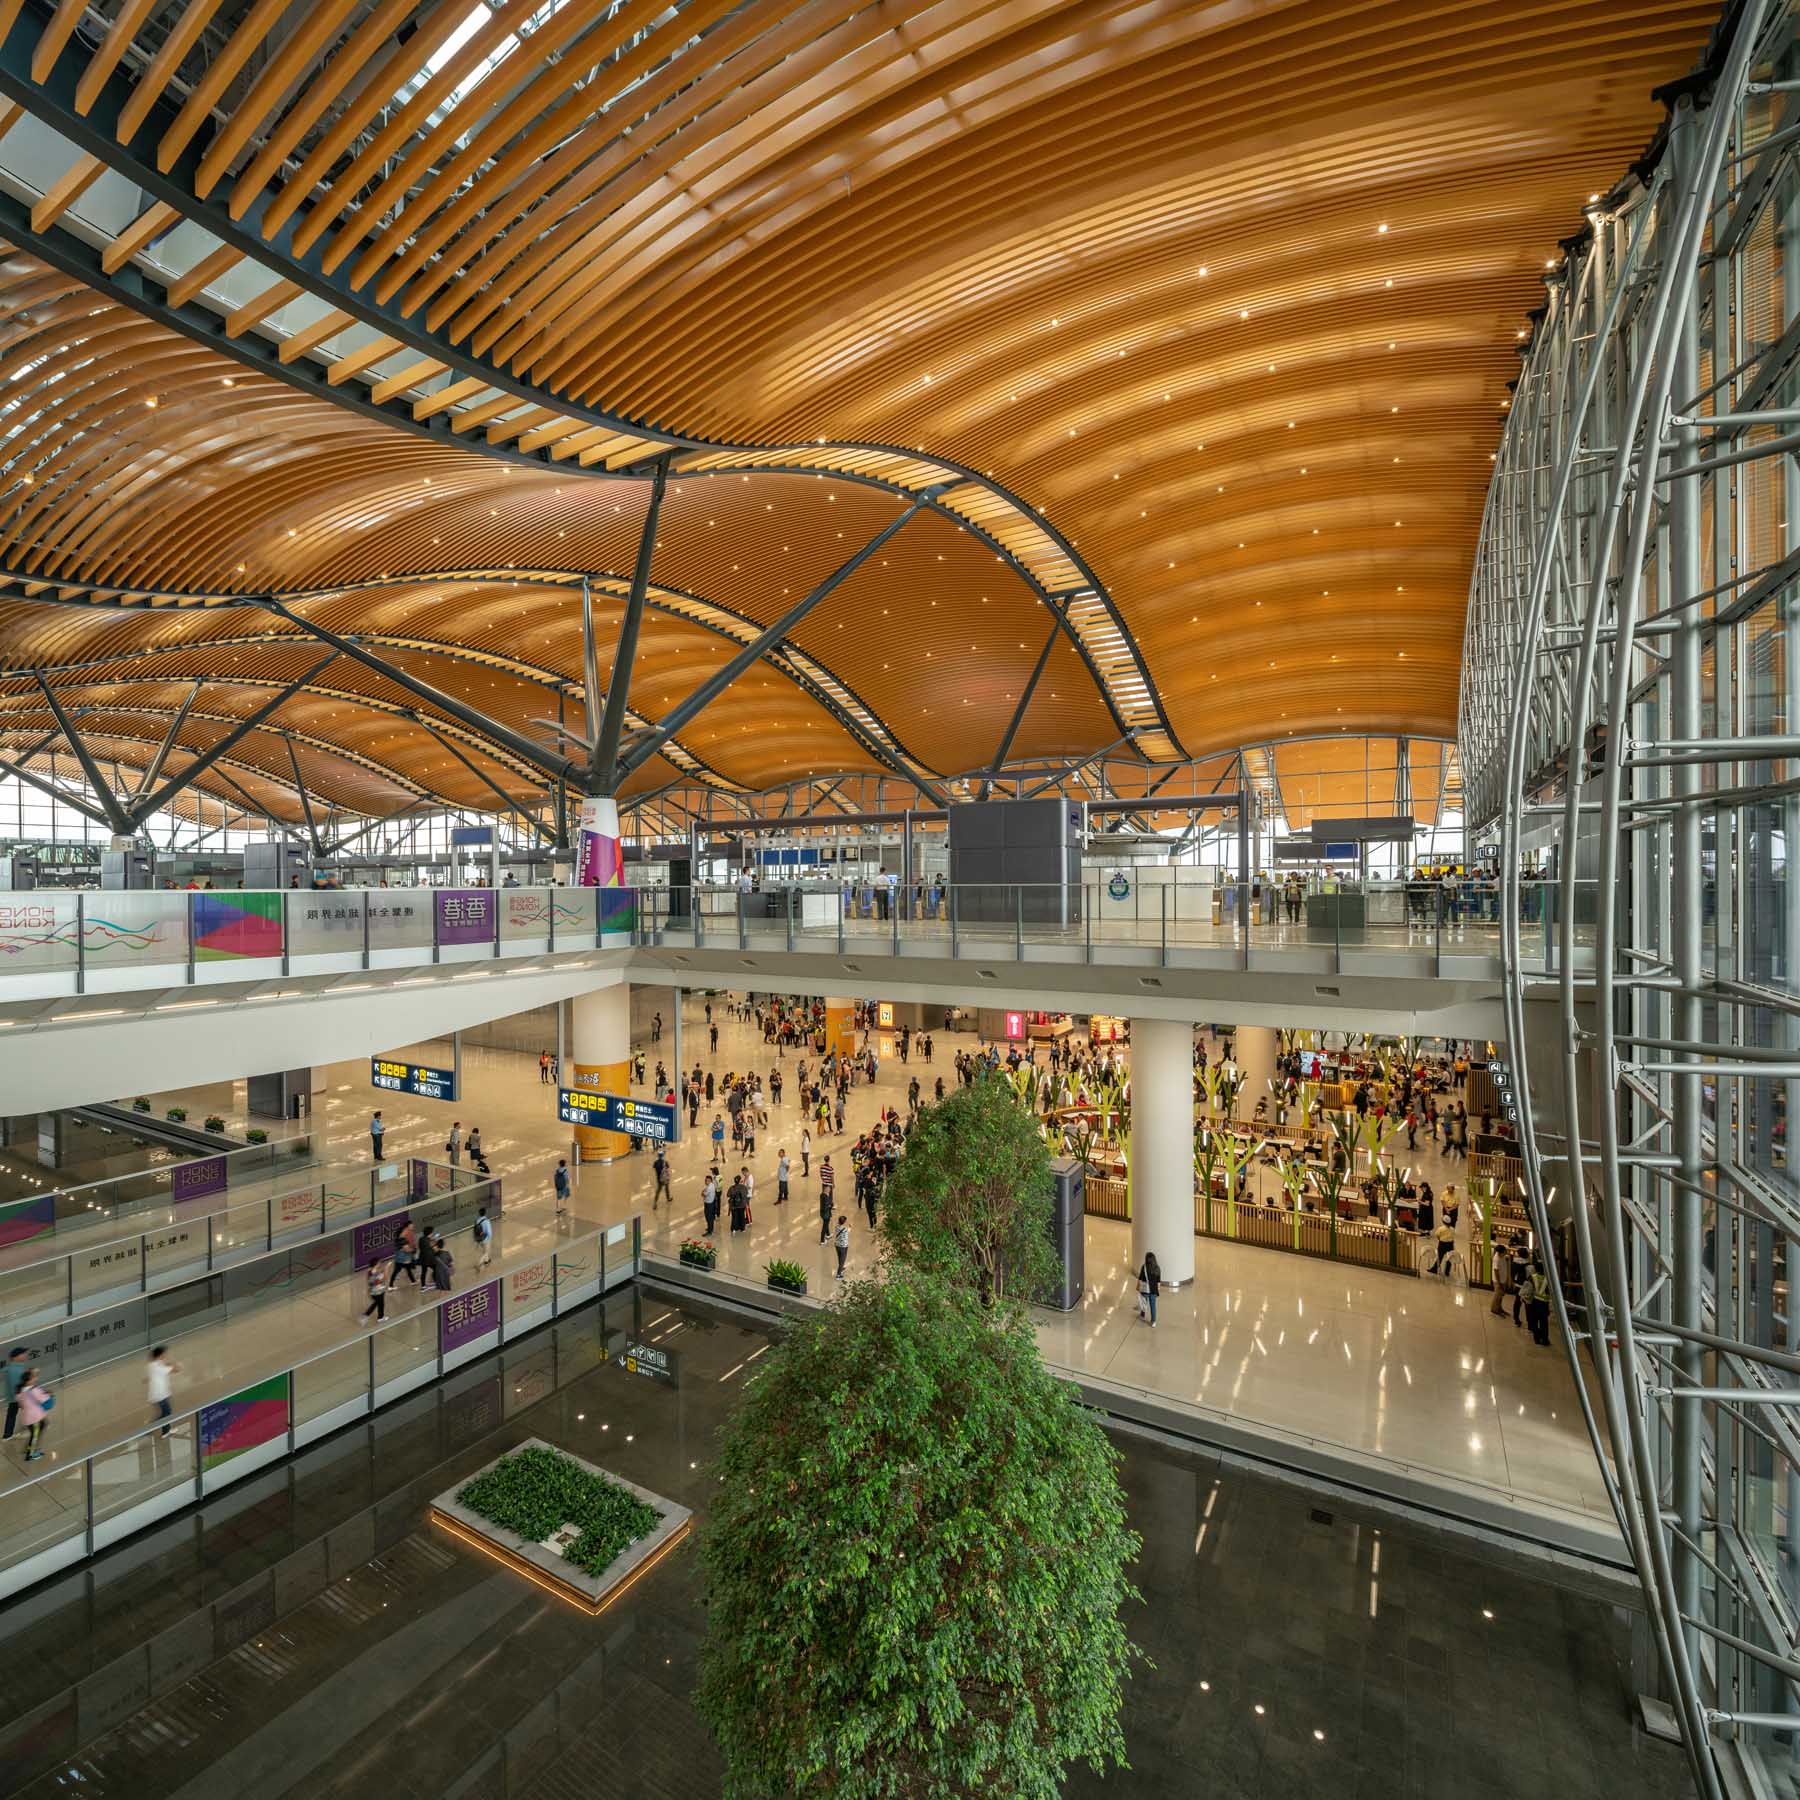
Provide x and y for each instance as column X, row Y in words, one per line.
column 1226, row 294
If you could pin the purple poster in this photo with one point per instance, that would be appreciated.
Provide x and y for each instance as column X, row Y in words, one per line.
column 375, row 1241
column 465, row 915
column 465, row 1317
column 195, row 1180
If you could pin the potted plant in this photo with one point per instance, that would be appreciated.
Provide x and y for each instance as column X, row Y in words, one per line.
column 140, row 1104
column 256, row 1135
column 214, row 1122
column 786, row 1277
column 698, row 1255
column 177, row 1113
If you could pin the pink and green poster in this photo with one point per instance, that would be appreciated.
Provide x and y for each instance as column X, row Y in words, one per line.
column 244, row 1420
column 230, row 926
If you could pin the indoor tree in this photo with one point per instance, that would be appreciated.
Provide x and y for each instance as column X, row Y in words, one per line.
column 971, row 1197
column 915, row 1561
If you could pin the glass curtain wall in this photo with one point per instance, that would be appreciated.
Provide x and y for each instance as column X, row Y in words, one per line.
column 1631, row 730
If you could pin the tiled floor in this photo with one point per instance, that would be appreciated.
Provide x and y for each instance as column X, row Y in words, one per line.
column 1413, row 1371
column 309, row 1634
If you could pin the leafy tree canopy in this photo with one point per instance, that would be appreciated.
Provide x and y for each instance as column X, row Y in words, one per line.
column 915, row 1562
column 971, row 1198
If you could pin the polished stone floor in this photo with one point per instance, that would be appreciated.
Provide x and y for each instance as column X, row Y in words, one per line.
column 1413, row 1373
column 310, row 1634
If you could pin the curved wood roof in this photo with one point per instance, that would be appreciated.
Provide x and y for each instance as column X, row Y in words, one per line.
column 1190, row 324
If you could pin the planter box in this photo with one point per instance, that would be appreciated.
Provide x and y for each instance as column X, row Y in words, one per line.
column 699, row 1262
column 787, row 1287
column 592, row 1593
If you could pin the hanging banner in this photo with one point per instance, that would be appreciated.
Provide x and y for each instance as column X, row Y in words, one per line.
column 598, row 862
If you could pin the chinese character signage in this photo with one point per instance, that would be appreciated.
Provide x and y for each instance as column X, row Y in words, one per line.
column 196, row 1180
column 253, row 1416
column 466, row 1317
column 613, row 1112
column 412, row 1078
column 465, row 915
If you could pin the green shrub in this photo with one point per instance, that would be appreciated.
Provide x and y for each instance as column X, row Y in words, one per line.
column 793, row 1274
column 177, row 1113
column 256, row 1135
column 140, row 1105
column 215, row 1123
column 536, row 1491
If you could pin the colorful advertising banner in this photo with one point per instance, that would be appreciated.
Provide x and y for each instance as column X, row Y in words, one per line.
column 23, row 1220
column 228, row 927
column 375, row 1241
column 598, row 862
column 197, row 1180
column 254, row 1416
column 465, row 915
column 466, row 1317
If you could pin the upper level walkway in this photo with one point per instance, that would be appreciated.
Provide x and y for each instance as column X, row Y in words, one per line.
column 58, row 943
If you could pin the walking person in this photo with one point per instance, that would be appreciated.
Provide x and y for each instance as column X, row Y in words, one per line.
column 376, row 1129
column 406, row 1256
column 841, row 1241
column 712, row 1032
column 660, row 1168
column 827, row 1192
column 562, row 1187
column 1446, row 1245
column 543, row 1068
column 1537, row 1303
column 656, row 1029
column 484, row 1238
column 477, row 1156
column 34, row 1408
column 18, row 1366
column 378, row 1291
column 453, row 1144
column 1149, row 1286
column 159, row 1384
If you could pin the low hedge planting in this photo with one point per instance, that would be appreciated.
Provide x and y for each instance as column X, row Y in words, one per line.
column 535, row 1491
column 782, row 1273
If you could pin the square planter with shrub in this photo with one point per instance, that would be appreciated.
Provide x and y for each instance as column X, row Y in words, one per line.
column 786, row 1277
column 698, row 1255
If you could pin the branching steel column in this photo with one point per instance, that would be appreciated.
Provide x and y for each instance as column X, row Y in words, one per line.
column 116, row 815
column 518, row 744
column 506, row 800
column 603, row 761
column 704, row 695
column 306, row 811
column 205, row 760
column 154, row 768
column 1019, row 711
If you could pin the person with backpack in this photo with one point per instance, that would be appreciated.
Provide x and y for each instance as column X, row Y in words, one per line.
column 1149, row 1282
column 660, row 1168
column 443, row 1264
column 562, row 1186
column 378, row 1291
column 827, row 1192
column 35, row 1403
column 477, row 1156
column 841, row 1241
column 484, row 1238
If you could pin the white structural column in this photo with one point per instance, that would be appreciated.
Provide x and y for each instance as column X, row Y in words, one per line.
column 1253, row 1048
column 1162, row 1146
column 599, row 1061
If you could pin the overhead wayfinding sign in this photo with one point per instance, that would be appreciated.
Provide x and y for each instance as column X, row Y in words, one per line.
column 412, row 1078
column 614, row 1112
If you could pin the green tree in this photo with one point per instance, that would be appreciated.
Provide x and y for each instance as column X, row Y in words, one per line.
column 915, row 1563
column 971, row 1198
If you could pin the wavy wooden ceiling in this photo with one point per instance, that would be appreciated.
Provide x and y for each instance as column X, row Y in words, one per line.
column 1204, row 314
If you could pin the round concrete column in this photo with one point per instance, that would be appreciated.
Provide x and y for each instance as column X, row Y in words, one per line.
column 1162, row 1146
column 840, row 1027
column 600, row 1055
column 1254, row 1049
